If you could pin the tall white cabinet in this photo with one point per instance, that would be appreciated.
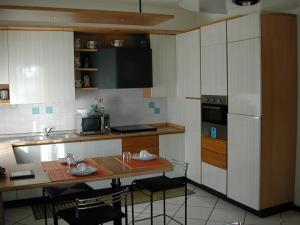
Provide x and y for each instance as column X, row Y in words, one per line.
column 188, row 64
column 214, row 59
column 163, row 65
column 192, row 118
column 262, row 87
column 3, row 57
column 41, row 66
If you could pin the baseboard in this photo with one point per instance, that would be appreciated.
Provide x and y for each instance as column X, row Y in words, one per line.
column 261, row 213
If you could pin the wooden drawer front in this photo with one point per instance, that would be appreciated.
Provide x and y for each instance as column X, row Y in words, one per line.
column 136, row 144
column 218, row 146
column 213, row 158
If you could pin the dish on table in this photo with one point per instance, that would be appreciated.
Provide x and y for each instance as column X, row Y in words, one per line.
column 146, row 158
column 79, row 172
column 73, row 161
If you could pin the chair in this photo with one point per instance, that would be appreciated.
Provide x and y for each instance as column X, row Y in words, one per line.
column 158, row 184
column 64, row 192
column 97, row 210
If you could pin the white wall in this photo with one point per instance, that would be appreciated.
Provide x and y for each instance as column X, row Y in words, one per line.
column 297, row 185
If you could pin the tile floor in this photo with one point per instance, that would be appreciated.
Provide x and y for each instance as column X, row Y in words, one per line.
column 203, row 209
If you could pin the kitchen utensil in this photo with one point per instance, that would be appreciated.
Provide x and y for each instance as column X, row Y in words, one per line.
column 83, row 110
column 91, row 44
column 4, row 94
column 77, row 62
column 86, row 81
column 78, row 83
column 77, row 44
column 117, row 43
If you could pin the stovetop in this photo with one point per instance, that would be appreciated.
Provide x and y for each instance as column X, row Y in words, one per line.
column 133, row 128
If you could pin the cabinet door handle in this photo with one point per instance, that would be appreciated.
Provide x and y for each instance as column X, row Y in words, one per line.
column 211, row 107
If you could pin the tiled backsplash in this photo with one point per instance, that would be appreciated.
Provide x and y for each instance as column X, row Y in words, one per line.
column 125, row 106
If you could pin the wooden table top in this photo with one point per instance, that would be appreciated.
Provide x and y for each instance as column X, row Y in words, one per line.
column 41, row 179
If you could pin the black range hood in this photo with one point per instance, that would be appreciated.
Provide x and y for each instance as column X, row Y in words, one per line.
column 123, row 68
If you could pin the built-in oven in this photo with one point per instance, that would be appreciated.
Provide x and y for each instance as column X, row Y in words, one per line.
column 214, row 111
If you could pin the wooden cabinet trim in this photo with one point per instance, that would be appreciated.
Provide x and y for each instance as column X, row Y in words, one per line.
column 213, row 158
column 215, row 145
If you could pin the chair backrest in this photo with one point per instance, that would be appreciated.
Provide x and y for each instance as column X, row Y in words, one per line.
column 183, row 166
column 100, row 201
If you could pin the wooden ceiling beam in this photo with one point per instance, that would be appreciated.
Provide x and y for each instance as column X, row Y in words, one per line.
column 49, row 14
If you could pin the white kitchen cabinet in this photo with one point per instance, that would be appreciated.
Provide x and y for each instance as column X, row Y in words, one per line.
column 192, row 116
column 244, row 151
column 214, row 59
column 244, row 77
column 41, row 66
column 213, row 34
column 188, row 64
column 9, row 195
column 163, row 65
column 3, row 57
column 172, row 146
column 214, row 70
column 214, row 177
column 243, row 28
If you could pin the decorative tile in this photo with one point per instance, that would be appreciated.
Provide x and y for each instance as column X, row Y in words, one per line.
column 157, row 110
column 35, row 110
column 49, row 109
column 208, row 202
column 151, row 105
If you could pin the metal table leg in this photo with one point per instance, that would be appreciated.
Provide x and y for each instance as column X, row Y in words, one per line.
column 116, row 184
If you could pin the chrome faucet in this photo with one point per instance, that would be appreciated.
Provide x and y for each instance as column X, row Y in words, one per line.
column 47, row 131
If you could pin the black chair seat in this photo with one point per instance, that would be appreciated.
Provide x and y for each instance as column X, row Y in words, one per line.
column 91, row 216
column 156, row 184
column 64, row 192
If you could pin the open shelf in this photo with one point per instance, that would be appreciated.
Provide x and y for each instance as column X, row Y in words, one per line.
column 85, row 50
column 4, row 102
column 86, row 69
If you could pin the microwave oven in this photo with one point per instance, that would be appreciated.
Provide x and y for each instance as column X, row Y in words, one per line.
column 92, row 123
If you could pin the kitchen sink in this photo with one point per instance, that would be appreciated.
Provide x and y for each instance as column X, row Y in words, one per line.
column 40, row 137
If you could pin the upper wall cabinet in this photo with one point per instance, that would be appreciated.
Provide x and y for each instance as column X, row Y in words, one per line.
column 188, row 64
column 213, row 34
column 163, row 65
column 244, row 77
column 214, row 59
column 41, row 66
column 245, row 27
column 3, row 58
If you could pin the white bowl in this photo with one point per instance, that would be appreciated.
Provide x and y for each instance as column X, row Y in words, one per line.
column 83, row 111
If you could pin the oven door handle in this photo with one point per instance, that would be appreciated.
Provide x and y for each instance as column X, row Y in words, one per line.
column 211, row 107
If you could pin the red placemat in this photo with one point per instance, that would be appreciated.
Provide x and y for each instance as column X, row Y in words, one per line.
column 58, row 171
column 63, row 175
column 56, row 165
column 137, row 164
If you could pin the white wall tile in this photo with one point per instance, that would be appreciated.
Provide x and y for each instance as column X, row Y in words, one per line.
column 125, row 106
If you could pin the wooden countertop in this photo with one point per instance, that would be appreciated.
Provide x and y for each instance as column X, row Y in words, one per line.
column 8, row 160
column 163, row 128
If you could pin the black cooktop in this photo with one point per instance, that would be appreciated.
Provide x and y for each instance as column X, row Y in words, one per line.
column 133, row 128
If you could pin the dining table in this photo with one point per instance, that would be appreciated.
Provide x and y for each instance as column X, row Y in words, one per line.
column 112, row 168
